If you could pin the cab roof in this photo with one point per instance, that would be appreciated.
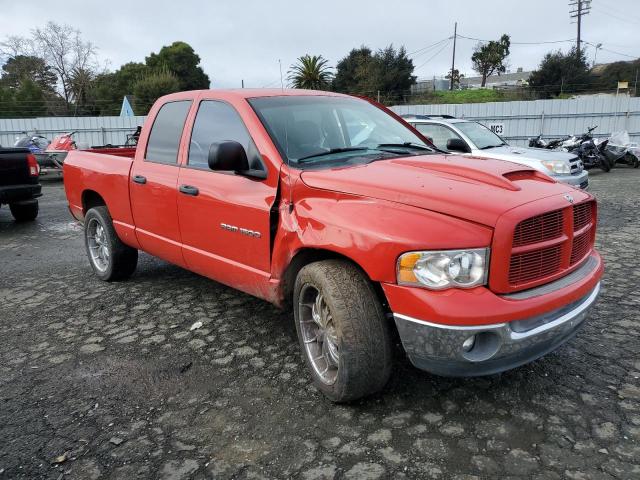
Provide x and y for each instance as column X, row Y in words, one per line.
column 246, row 93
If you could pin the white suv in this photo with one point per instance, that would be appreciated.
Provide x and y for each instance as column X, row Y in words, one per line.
column 474, row 139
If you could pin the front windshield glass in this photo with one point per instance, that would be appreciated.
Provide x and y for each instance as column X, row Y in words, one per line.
column 480, row 135
column 319, row 130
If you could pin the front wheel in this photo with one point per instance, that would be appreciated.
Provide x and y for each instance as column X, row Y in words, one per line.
column 342, row 330
column 24, row 211
column 109, row 257
column 605, row 165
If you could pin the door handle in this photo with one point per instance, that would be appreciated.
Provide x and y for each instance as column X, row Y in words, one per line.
column 189, row 190
column 139, row 179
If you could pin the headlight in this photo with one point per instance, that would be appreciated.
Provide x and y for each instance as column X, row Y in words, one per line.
column 557, row 166
column 444, row 269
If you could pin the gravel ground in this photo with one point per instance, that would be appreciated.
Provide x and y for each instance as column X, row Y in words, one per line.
column 108, row 380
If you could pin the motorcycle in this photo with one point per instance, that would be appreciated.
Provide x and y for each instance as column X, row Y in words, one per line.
column 538, row 142
column 619, row 149
column 585, row 147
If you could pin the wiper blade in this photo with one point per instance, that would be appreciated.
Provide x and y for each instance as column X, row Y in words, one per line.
column 405, row 145
column 493, row 146
column 330, row 152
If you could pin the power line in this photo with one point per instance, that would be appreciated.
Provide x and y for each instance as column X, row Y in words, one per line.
column 616, row 17
column 434, row 55
column 618, row 11
column 610, row 51
column 428, row 47
column 517, row 43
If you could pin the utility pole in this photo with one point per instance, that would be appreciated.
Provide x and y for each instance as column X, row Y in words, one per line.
column 453, row 58
column 580, row 9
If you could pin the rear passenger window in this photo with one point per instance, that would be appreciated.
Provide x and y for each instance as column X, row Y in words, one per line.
column 219, row 122
column 166, row 132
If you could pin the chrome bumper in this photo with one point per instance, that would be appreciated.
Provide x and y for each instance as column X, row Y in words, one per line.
column 463, row 351
column 580, row 180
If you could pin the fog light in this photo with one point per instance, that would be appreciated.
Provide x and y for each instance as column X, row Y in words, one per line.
column 468, row 344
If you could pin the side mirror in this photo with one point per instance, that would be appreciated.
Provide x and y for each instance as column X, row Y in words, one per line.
column 458, row 145
column 228, row 156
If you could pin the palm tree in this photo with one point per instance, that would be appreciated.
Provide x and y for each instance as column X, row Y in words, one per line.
column 79, row 84
column 310, row 72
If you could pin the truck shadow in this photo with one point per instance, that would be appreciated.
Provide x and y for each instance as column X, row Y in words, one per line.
column 545, row 375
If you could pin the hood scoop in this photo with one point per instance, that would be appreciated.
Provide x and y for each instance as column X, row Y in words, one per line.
column 527, row 175
column 472, row 173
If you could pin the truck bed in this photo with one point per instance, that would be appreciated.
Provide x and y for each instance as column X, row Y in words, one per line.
column 88, row 172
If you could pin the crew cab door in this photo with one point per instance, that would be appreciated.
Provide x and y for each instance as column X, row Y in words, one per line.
column 153, row 184
column 224, row 217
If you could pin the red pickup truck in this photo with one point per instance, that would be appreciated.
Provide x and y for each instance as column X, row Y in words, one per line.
column 335, row 206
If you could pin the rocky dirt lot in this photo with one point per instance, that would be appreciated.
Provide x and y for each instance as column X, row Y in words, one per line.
column 109, row 381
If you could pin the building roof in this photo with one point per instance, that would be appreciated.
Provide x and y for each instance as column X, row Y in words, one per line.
column 502, row 78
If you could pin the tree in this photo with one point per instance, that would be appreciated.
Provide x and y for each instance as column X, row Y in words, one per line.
column 7, row 103
column 30, row 100
column 457, row 76
column 180, row 59
column 489, row 58
column 108, row 89
column 27, row 100
column 310, row 72
column 607, row 77
column 154, row 85
column 62, row 47
column 80, row 84
column 62, row 51
column 25, row 67
column 561, row 72
column 354, row 71
column 387, row 73
column 395, row 73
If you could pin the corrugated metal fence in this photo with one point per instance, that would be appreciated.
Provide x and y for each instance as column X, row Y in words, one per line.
column 91, row 130
column 551, row 118
column 519, row 120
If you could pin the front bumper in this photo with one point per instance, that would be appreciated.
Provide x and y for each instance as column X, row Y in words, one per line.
column 495, row 348
column 581, row 180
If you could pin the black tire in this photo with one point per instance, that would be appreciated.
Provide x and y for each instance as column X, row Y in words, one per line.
column 122, row 260
column 605, row 164
column 362, row 330
column 25, row 211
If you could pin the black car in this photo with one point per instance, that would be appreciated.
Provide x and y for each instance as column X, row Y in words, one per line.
column 19, row 182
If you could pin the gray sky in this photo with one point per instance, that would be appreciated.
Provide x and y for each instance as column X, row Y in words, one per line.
column 243, row 39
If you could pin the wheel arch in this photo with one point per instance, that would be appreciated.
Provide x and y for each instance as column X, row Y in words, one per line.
column 308, row 255
column 90, row 199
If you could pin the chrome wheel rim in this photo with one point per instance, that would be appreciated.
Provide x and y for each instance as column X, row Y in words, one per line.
column 98, row 245
column 319, row 334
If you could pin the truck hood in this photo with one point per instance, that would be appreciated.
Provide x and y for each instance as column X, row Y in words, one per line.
column 479, row 190
column 525, row 155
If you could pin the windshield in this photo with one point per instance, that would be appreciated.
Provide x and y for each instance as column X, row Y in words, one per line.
column 480, row 135
column 315, row 130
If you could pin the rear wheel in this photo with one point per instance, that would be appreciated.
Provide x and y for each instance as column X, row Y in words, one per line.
column 24, row 211
column 342, row 330
column 605, row 164
column 109, row 257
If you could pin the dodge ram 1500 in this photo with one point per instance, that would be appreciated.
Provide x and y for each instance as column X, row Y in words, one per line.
column 336, row 206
